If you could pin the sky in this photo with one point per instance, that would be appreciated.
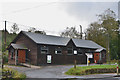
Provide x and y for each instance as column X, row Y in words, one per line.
column 53, row 16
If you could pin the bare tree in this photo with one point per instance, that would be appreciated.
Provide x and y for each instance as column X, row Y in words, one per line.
column 14, row 28
column 31, row 29
column 71, row 33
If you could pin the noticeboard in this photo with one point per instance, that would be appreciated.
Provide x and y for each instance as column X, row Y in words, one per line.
column 49, row 58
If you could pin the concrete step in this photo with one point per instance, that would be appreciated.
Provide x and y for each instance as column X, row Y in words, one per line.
column 30, row 66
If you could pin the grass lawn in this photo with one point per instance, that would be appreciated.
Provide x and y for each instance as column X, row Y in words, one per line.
column 94, row 69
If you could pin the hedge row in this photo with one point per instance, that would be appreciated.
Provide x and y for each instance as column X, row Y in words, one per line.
column 92, row 71
column 105, row 70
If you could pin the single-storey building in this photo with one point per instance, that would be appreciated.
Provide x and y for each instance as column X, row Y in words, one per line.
column 39, row 49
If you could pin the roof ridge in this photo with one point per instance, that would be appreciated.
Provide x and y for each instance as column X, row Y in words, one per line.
column 44, row 35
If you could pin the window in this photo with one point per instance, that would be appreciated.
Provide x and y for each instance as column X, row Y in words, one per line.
column 58, row 50
column 103, row 55
column 44, row 50
column 70, row 50
column 79, row 51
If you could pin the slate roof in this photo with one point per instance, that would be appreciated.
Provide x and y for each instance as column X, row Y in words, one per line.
column 86, row 44
column 99, row 50
column 18, row 46
column 47, row 39
column 55, row 40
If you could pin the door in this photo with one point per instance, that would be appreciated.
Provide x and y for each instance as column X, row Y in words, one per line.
column 96, row 57
column 21, row 56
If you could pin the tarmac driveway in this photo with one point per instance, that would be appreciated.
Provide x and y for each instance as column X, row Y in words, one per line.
column 49, row 72
column 56, row 72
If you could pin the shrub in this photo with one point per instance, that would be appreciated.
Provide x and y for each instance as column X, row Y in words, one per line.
column 12, row 74
column 85, row 70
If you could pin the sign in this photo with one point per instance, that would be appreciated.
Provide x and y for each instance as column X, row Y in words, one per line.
column 75, row 51
column 89, row 55
column 49, row 58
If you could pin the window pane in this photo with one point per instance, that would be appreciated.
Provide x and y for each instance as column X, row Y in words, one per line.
column 70, row 50
column 44, row 49
column 58, row 50
column 79, row 51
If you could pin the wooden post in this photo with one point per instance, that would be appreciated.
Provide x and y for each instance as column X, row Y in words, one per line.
column 87, row 61
column 117, row 70
column 75, row 64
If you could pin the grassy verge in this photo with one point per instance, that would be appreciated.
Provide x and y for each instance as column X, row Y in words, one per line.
column 96, row 69
column 15, row 74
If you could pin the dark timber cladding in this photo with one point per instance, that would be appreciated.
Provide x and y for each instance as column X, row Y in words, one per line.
column 58, row 49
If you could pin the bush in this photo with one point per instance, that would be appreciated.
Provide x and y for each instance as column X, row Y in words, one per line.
column 10, row 74
column 5, row 57
column 85, row 70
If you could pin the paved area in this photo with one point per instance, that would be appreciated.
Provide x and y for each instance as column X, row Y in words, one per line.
column 58, row 72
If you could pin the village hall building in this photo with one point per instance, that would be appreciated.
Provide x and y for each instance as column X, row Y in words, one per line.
column 39, row 49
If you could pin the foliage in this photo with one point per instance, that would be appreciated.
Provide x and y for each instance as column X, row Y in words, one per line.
column 14, row 28
column 9, row 39
column 119, row 40
column 15, row 74
column 32, row 29
column 40, row 32
column 71, row 33
column 105, row 32
column 92, row 70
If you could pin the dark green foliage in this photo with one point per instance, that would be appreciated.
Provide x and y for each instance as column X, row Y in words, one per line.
column 9, row 39
column 105, row 33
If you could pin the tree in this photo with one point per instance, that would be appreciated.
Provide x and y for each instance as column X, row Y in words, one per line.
column 31, row 29
column 34, row 30
column 119, row 39
column 105, row 32
column 94, row 33
column 40, row 32
column 71, row 33
column 14, row 28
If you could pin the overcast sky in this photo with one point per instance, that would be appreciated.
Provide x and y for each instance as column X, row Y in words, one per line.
column 53, row 17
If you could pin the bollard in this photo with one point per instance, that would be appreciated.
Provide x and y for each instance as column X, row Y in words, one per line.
column 95, row 61
column 89, row 62
column 117, row 70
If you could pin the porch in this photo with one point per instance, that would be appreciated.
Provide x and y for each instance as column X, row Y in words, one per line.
column 17, row 54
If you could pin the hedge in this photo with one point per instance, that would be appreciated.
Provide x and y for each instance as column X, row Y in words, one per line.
column 91, row 71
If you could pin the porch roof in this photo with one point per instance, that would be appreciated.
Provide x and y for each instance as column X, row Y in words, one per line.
column 99, row 50
column 18, row 46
